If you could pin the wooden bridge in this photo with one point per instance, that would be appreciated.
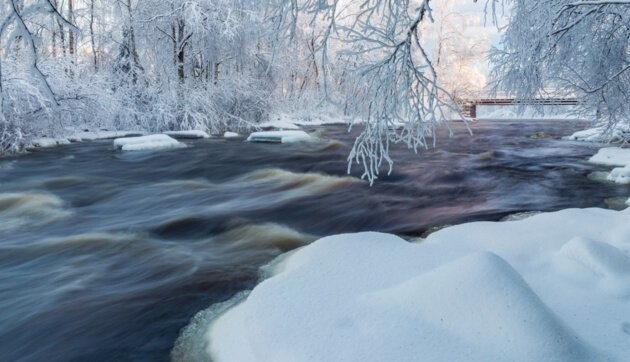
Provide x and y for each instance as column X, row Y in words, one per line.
column 469, row 106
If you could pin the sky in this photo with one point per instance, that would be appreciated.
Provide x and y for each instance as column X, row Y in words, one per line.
column 469, row 28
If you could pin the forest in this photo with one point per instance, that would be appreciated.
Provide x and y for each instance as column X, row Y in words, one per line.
column 221, row 65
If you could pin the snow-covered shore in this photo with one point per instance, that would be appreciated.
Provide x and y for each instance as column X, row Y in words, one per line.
column 526, row 112
column 618, row 133
column 555, row 286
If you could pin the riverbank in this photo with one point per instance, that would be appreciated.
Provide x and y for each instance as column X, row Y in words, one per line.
column 554, row 286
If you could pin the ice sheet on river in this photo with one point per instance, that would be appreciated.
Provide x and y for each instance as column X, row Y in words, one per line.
column 152, row 142
column 555, row 286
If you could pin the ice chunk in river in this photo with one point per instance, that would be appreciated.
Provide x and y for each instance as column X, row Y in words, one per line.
column 279, row 136
column 152, row 142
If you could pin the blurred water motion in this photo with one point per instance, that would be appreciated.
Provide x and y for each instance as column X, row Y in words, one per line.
column 107, row 255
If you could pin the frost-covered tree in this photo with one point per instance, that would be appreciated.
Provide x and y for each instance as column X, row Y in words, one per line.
column 219, row 64
column 387, row 78
column 575, row 48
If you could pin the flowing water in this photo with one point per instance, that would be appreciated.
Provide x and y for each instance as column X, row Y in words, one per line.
column 107, row 255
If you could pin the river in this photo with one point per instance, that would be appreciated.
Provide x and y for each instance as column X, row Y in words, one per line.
column 107, row 255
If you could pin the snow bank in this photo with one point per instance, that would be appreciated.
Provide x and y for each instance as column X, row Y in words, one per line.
column 281, row 122
column 279, row 136
column 602, row 134
column 528, row 112
column 292, row 121
column 195, row 134
column 231, row 135
column 102, row 135
column 45, row 142
column 555, row 286
column 152, row 142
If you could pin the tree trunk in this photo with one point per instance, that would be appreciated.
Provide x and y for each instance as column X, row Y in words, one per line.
column 71, row 38
column 92, row 40
column 181, row 56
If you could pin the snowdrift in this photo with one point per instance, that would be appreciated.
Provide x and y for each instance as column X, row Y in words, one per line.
column 554, row 286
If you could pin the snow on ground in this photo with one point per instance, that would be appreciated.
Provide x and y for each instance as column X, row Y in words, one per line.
column 44, row 142
column 231, row 135
column 194, row 134
column 528, row 112
column 102, row 135
column 551, row 287
column 602, row 134
column 293, row 121
column 152, row 142
column 279, row 136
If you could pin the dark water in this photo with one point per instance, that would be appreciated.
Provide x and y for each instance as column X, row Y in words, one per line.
column 107, row 255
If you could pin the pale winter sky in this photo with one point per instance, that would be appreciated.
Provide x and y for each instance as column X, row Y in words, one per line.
column 470, row 29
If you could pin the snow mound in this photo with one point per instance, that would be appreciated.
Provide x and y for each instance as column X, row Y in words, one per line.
column 481, row 308
column 620, row 175
column 601, row 258
column 612, row 156
column 231, row 135
column 195, row 134
column 152, row 142
column 554, row 286
column 279, row 136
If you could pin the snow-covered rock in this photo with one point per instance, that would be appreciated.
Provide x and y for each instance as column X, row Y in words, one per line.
column 620, row 175
column 152, row 142
column 195, row 134
column 612, row 156
column 279, row 136
column 552, row 287
column 45, row 142
column 231, row 135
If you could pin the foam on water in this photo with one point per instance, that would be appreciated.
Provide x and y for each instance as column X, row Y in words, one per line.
column 310, row 182
column 21, row 209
